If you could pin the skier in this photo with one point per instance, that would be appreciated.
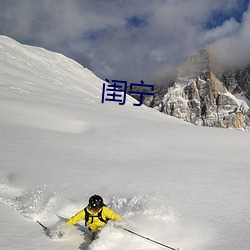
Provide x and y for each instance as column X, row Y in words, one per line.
column 95, row 214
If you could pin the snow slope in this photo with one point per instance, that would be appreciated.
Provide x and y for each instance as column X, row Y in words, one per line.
column 176, row 183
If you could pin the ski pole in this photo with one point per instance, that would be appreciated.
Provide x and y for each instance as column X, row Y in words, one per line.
column 146, row 238
column 45, row 228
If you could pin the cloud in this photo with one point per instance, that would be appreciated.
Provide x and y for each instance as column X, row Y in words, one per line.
column 228, row 28
column 129, row 40
column 233, row 49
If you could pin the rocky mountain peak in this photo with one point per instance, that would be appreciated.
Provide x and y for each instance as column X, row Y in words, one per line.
column 201, row 97
column 196, row 64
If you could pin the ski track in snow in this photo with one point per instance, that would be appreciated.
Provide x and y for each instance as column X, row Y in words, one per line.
column 43, row 117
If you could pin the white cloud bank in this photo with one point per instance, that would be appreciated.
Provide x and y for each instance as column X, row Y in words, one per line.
column 129, row 40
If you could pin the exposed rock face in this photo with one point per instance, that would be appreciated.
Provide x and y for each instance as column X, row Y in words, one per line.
column 199, row 97
column 237, row 81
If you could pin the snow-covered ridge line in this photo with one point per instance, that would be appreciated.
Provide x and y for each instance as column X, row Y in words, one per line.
column 34, row 60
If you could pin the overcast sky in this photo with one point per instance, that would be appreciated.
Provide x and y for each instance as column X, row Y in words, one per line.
column 131, row 40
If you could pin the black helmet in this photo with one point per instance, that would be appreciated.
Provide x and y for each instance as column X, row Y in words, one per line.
column 96, row 202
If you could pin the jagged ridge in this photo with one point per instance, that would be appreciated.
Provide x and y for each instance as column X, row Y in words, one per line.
column 202, row 97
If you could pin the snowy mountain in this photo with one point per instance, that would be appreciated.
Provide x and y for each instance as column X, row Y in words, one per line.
column 237, row 81
column 182, row 185
column 204, row 97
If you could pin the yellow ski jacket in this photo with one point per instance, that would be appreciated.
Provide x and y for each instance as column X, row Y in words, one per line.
column 94, row 223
